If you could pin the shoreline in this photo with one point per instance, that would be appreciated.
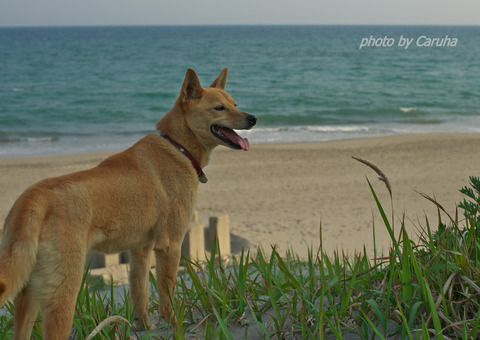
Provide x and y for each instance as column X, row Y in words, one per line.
column 280, row 194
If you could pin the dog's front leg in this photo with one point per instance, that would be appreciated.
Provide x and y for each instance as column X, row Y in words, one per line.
column 138, row 277
column 168, row 260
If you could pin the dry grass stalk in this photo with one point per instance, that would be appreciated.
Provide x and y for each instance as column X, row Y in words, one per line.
column 106, row 322
column 439, row 206
column 381, row 176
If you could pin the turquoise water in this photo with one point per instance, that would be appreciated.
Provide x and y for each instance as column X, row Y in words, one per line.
column 77, row 89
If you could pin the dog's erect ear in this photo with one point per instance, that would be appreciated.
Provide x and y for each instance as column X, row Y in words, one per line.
column 191, row 88
column 221, row 80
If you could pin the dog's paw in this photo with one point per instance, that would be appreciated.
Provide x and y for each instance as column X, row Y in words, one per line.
column 172, row 319
column 142, row 325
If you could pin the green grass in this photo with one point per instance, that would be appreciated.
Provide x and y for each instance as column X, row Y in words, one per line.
column 418, row 290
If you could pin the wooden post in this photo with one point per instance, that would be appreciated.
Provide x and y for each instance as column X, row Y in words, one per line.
column 219, row 227
column 193, row 246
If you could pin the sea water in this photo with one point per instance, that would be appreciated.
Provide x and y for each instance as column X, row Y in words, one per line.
column 82, row 89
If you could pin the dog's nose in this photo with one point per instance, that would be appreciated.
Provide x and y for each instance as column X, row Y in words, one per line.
column 252, row 120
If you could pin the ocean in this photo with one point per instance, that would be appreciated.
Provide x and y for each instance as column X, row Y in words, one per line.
column 84, row 89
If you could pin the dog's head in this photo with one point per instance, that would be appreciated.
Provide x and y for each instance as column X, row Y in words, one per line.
column 212, row 114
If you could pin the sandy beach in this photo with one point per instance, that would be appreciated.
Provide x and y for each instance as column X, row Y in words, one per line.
column 280, row 194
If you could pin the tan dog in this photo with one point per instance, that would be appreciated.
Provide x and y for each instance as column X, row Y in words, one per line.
column 138, row 200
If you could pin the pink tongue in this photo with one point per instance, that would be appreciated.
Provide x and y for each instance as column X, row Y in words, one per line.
column 242, row 142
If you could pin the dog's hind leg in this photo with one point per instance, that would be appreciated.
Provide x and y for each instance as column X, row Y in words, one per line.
column 58, row 319
column 56, row 281
column 58, row 307
column 138, row 278
column 26, row 311
column 167, row 260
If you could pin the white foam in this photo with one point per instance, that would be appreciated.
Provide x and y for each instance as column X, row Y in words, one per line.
column 408, row 109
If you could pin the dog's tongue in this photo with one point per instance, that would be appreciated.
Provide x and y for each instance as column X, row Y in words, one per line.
column 232, row 135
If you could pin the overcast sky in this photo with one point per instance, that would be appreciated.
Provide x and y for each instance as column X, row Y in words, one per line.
column 238, row 12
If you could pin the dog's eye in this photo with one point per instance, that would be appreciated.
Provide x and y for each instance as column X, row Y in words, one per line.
column 220, row 108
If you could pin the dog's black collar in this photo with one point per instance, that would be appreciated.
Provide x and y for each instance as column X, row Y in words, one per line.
column 201, row 175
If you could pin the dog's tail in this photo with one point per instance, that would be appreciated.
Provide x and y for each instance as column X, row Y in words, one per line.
column 18, row 249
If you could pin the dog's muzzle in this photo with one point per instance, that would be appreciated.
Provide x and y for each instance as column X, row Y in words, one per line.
column 230, row 137
column 252, row 120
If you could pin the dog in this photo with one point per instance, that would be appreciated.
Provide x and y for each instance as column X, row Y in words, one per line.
column 141, row 199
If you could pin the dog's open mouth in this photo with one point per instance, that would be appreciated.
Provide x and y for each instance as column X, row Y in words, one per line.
column 230, row 137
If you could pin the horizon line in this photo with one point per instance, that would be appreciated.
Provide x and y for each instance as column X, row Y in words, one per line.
column 237, row 25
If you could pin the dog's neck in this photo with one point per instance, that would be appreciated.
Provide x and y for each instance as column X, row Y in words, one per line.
column 201, row 175
column 180, row 133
